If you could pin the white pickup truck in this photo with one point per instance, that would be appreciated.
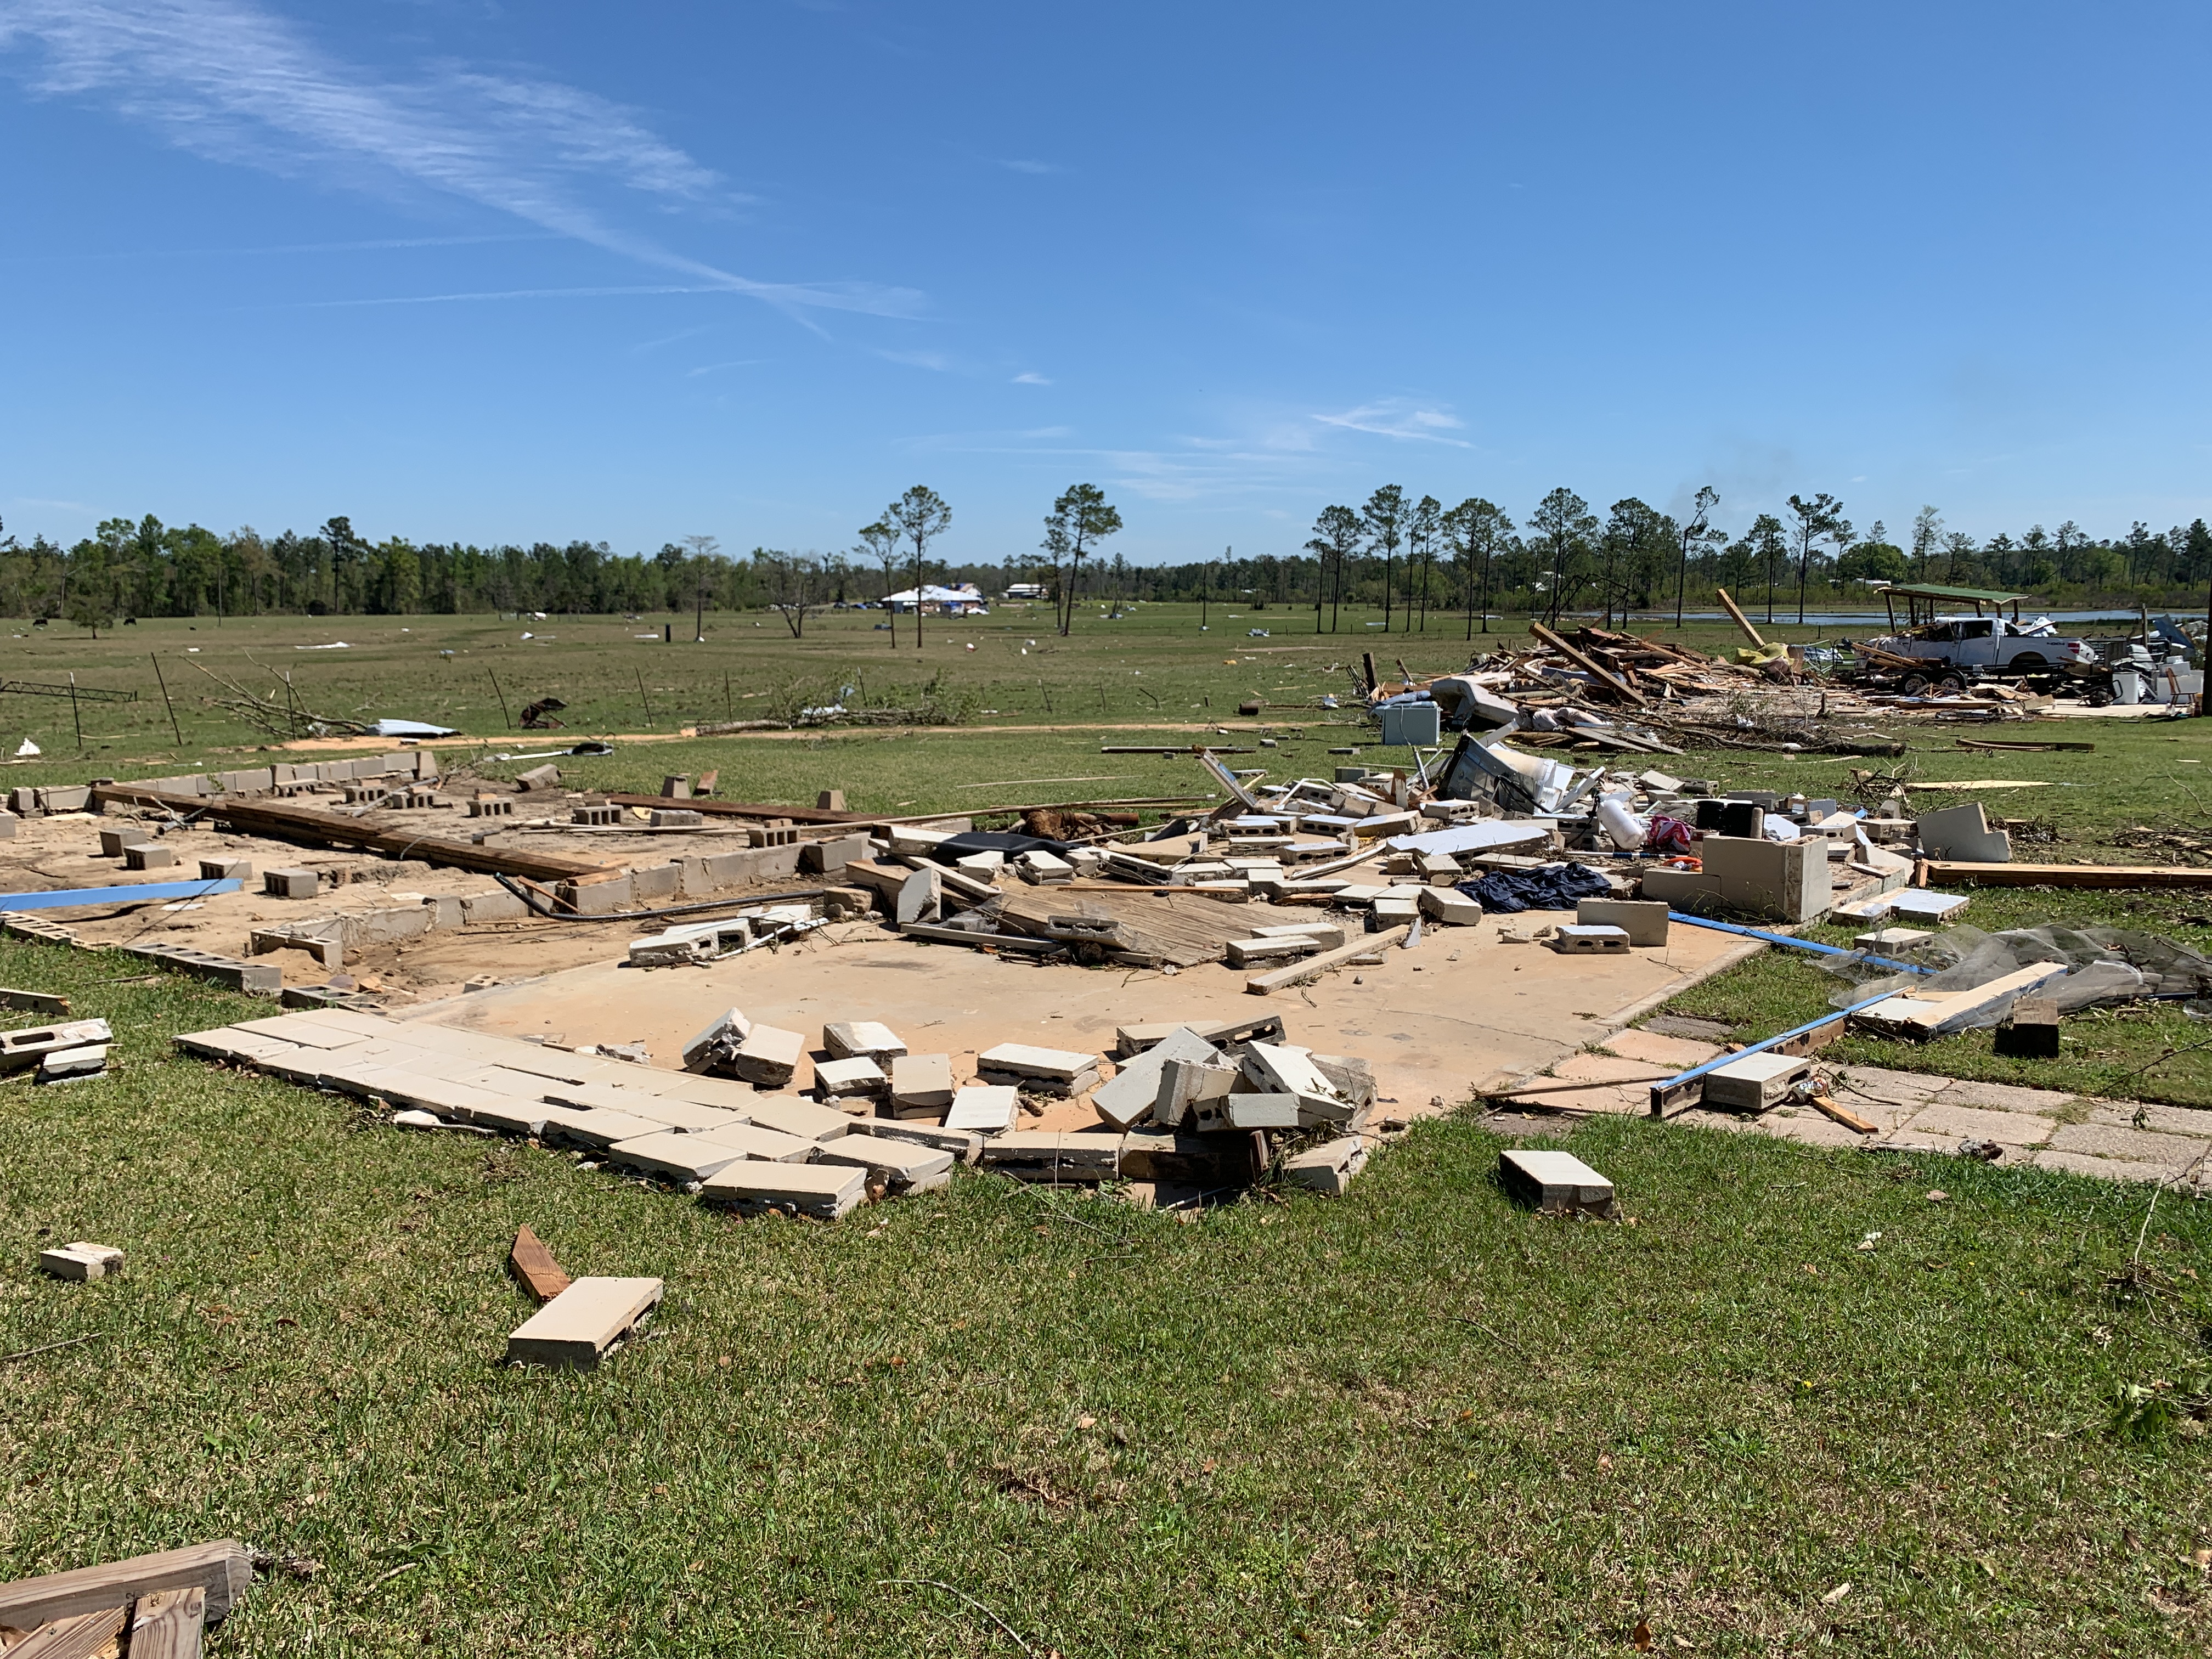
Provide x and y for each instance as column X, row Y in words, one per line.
column 1991, row 642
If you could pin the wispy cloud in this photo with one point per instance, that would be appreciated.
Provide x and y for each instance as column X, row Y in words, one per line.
column 223, row 80
column 937, row 361
column 1395, row 417
column 716, row 369
column 1030, row 380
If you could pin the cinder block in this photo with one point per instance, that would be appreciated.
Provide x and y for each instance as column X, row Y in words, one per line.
column 983, row 1108
column 1645, row 921
column 863, row 1039
column 594, row 898
column 497, row 905
column 828, row 857
column 921, row 1085
column 675, row 789
column 255, row 978
column 1575, row 940
column 68, row 797
column 7, row 823
column 149, row 856
column 676, row 818
column 655, row 885
column 291, row 883
column 901, row 1165
column 1452, row 909
column 769, row 1056
column 1327, row 1168
column 1554, row 1182
column 1753, row 1083
column 226, row 869
column 81, row 1262
column 825, row 1191
column 538, row 777
column 114, row 842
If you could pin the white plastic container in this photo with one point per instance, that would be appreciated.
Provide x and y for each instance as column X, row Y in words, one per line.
column 1622, row 827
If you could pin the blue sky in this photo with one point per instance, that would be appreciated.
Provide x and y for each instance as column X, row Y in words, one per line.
column 487, row 272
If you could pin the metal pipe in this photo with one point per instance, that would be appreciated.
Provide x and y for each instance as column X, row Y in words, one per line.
column 1799, row 943
column 1659, row 1091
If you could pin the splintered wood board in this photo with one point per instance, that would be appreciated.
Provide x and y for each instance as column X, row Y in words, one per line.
column 1183, row 929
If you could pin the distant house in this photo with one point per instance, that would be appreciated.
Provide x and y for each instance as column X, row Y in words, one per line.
column 965, row 600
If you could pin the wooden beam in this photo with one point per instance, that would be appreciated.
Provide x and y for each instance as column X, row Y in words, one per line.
column 1945, row 872
column 307, row 823
column 1741, row 621
column 1587, row 663
column 80, row 1637
column 222, row 1569
column 1260, row 985
column 36, row 1002
column 167, row 1625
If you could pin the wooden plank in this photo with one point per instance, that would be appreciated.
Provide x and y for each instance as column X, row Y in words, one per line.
column 222, row 1568
column 1907, row 1016
column 167, row 1625
column 2026, row 748
column 307, row 824
column 1741, row 621
column 1943, row 872
column 1838, row 1112
column 1587, row 663
column 1021, row 942
column 72, row 1638
column 1260, row 985
column 534, row 1264
column 36, row 1002
column 576, row 1325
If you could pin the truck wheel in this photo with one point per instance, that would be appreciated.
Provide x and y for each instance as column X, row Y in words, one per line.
column 1916, row 685
column 2028, row 661
column 2100, row 698
column 1952, row 686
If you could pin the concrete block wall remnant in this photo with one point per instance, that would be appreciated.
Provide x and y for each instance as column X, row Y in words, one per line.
column 498, row 905
column 828, row 857
column 594, row 898
column 656, row 883
column 255, row 978
column 1645, row 921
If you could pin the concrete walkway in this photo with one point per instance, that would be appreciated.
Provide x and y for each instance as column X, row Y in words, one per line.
column 2116, row 1141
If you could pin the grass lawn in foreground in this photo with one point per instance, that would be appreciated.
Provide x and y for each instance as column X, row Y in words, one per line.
column 1414, row 1420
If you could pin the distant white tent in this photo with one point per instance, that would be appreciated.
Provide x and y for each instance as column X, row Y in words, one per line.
column 965, row 600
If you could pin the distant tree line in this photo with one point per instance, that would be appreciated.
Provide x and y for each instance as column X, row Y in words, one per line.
column 1422, row 564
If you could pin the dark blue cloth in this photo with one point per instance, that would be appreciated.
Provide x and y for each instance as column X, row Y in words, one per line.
column 1554, row 887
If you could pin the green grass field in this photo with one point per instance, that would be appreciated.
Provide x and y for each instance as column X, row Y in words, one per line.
column 1416, row 1420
